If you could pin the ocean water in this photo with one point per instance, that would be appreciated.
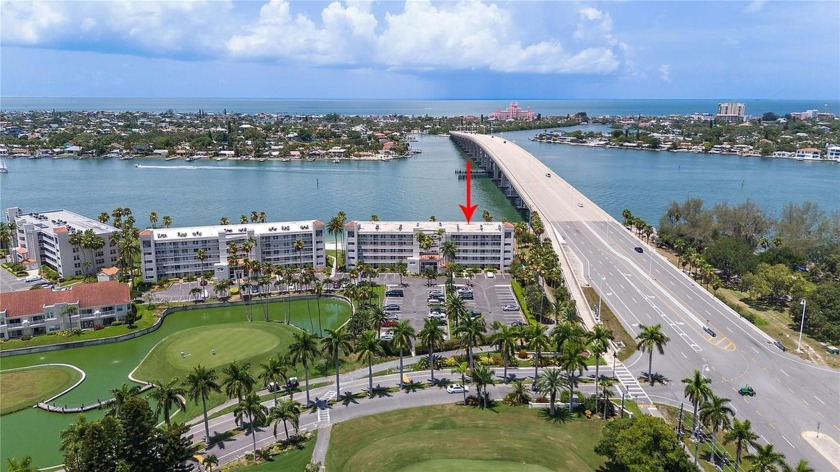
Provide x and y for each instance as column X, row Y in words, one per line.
column 410, row 107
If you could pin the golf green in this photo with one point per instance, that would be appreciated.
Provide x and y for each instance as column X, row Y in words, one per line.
column 35, row 433
column 26, row 387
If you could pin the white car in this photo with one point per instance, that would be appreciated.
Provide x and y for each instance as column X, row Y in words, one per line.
column 510, row 308
column 457, row 388
column 387, row 336
column 490, row 275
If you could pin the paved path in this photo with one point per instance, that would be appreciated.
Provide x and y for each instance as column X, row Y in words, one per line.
column 319, row 454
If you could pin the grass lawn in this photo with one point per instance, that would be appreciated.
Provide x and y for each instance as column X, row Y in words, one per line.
column 451, row 437
column 609, row 320
column 294, row 460
column 24, row 388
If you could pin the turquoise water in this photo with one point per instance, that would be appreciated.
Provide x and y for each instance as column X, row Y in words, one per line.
column 35, row 432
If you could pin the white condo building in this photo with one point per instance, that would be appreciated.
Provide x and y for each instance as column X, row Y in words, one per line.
column 42, row 239
column 731, row 111
column 384, row 243
column 172, row 252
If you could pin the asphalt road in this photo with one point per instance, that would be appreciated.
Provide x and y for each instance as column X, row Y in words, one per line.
column 644, row 289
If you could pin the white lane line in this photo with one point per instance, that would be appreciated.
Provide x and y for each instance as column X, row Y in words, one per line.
column 754, row 349
column 634, row 300
column 729, row 329
column 782, row 371
column 818, row 399
column 683, row 354
column 786, row 440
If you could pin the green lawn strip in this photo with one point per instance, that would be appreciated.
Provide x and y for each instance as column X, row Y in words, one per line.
column 671, row 415
column 400, row 439
column 463, row 465
column 609, row 320
column 291, row 460
column 24, row 388
column 147, row 319
column 520, row 299
column 629, row 405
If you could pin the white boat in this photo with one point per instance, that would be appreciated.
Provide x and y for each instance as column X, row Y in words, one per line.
column 336, row 160
column 3, row 168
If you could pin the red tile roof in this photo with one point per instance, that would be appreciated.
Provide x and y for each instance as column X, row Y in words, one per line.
column 31, row 302
column 110, row 271
column 146, row 232
column 60, row 229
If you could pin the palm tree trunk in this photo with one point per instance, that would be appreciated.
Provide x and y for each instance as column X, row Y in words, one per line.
column 597, row 364
column 253, row 436
column 650, row 367
column 694, row 418
column 714, row 435
column 286, row 428
column 166, row 412
column 402, row 385
column 306, row 379
column 370, row 377
column 206, row 421
column 337, row 381
column 431, row 360
column 470, row 355
column 552, row 399
column 536, row 365
column 320, row 329
column 506, row 366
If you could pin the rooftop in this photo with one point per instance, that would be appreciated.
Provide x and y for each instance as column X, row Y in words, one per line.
column 29, row 302
column 55, row 220
column 411, row 226
column 190, row 232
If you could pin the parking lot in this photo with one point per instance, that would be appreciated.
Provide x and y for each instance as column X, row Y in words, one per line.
column 490, row 295
column 10, row 283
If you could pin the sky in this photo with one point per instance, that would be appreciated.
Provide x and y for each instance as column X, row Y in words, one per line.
column 420, row 49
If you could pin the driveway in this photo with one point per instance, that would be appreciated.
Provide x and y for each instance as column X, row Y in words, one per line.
column 180, row 292
column 10, row 283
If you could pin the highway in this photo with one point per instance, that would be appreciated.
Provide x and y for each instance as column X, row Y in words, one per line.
column 793, row 396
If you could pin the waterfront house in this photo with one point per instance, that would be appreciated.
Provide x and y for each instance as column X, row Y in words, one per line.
column 806, row 154
column 34, row 312
column 832, row 152
column 108, row 274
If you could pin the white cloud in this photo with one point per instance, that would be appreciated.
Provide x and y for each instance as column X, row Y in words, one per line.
column 30, row 22
column 665, row 72
column 755, row 6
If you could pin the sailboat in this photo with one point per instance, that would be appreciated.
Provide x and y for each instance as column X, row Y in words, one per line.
column 3, row 168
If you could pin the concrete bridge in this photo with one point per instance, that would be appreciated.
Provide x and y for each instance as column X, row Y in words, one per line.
column 642, row 288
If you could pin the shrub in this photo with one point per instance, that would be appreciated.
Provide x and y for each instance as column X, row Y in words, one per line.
column 450, row 362
column 97, row 327
column 541, row 399
column 473, row 400
column 522, row 354
column 117, row 323
column 26, row 337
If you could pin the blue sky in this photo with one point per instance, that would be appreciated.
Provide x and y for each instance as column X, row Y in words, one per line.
column 456, row 49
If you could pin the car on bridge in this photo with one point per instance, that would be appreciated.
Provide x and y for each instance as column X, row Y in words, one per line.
column 746, row 390
column 548, row 174
column 638, row 249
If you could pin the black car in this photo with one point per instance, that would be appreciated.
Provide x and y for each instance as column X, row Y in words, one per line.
column 394, row 293
column 638, row 249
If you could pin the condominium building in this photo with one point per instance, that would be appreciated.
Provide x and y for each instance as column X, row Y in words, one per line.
column 34, row 312
column 731, row 111
column 43, row 239
column 173, row 252
column 832, row 152
column 420, row 244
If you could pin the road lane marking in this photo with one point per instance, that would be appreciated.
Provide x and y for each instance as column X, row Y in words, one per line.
column 683, row 354
column 818, row 399
column 786, row 440
column 782, row 371
column 771, row 425
column 729, row 329
column 754, row 349
column 806, row 402
column 759, row 413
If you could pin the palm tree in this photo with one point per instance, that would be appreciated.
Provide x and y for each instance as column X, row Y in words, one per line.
column 288, row 410
column 463, row 369
column 505, row 340
column 599, row 342
column 167, row 221
column 153, row 219
column 304, row 350
column 431, row 336
column 566, row 333
column 71, row 441
column 224, row 221
column 697, row 391
column 519, row 393
column 167, row 395
column 243, row 219
column 334, row 344
column 448, row 250
column 455, row 307
column 765, row 459
column 486, row 216
column 200, row 384
column 550, row 382
column 103, row 217
column 401, row 268
column 211, row 462
column 238, row 381
column 23, row 465
column 651, row 337
column 741, row 434
column 368, row 347
column 404, row 336
column 318, row 290
column 201, row 255
column 274, row 371
column 121, row 396
column 715, row 413
column 571, row 360
column 470, row 333
column 374, row 217
column 482, row 377
column 801, row 466
column 299, row 249
column 538, row 341
column 251, row 407
column 70, row 311
column 335, row 227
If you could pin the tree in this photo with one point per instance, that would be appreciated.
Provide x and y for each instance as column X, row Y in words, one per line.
column 368, row 347
column 274, row 371
column 651, row 338
column 23, row 465
column 333, row 345
column 765, row 459
column 288, row 410
column 238, row 380
column 549, row 383
column 153, row 219
column 539, row 342
column 121, row 396
column 71, row 442
column 251, row 407
column 448, row 250
column 167, row 395
column 403, row 340
column 431, row 336
column 318, row 290
column 505, row 340
column 304, row 349
column 697, row 391
column 482, row 377
column 599, row 342
column 715, row 413
column 741, row 434
column 167, row 221
column 200, row 384
column 470, row 333
column 201, row 255
column 642, row 443
column 401, row 268
column 571, row 360
column 463, row 369
column 801, row 466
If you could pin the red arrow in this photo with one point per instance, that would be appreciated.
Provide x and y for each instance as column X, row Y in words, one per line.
column 468, row 209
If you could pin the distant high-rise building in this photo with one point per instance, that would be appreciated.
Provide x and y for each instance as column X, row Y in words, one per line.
column 731, row 111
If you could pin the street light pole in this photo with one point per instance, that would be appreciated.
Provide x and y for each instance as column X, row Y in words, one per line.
column 801, row 325
column 703, row 371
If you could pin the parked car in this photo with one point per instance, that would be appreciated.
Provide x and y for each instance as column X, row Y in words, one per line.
column 519, row 323
column 490, row 275
column 435, row 293
column 387, row 335
column 392, row 316
column 510, row 308
column 273, row 387
column 457, row 388
column 548, row 174
column 579, row 204
column 395, row 293
column 386, row 323
column 434, row 301
column 391, row 307
column 466, row 296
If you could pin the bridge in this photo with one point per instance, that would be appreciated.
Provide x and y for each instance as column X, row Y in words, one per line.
column 795, row 399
